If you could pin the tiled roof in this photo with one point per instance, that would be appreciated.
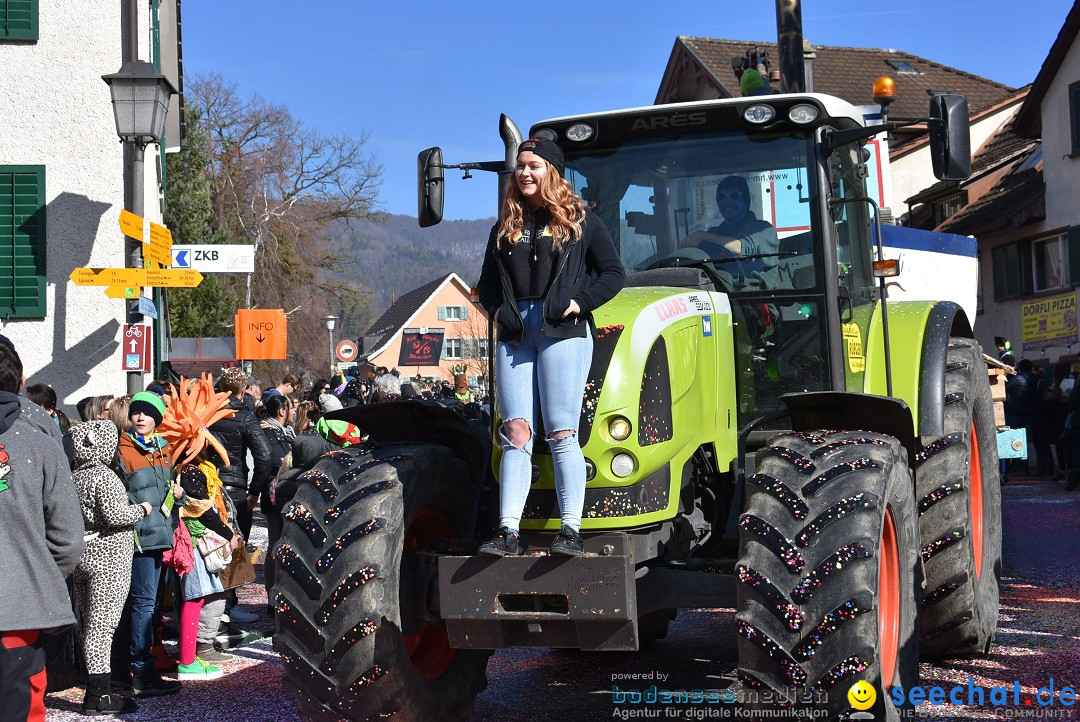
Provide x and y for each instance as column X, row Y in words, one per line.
column 395, row 317
column 1009, row 204
column 849, row 73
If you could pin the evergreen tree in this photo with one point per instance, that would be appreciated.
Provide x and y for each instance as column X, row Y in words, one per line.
column 207, row 309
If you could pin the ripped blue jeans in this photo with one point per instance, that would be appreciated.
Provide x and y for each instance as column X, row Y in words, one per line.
column 546, row 374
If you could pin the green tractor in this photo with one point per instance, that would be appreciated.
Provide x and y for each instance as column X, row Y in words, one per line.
column 761, row 432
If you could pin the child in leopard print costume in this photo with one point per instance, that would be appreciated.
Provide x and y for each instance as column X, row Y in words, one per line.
column 103, row 577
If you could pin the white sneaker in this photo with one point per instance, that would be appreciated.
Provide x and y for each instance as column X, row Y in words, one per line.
column 239, row 616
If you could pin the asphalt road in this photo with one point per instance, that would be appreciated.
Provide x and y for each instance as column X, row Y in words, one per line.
column 1038, row 639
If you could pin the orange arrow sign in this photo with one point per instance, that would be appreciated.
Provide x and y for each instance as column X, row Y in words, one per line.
column 122, row 291
column 155, row 277
column 131, row 226
column 158, row 254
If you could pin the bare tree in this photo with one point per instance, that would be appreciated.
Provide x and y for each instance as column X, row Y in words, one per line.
column 279, row 184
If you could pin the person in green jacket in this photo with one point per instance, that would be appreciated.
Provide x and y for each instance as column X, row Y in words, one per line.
column 148, row 469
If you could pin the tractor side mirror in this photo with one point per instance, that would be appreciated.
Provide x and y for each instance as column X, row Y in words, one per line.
column 429, row 187
column 950, row 137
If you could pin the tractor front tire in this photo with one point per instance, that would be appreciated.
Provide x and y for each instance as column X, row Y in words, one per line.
column 829, row 574
column 353, row 591
column 959, row 505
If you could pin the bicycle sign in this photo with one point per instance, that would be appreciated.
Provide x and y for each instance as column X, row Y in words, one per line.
column 135, row 351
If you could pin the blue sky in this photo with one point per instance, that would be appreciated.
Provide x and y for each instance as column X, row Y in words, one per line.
column 414, row 73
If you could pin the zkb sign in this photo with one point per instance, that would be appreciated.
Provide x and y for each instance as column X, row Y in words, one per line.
column 215, row 258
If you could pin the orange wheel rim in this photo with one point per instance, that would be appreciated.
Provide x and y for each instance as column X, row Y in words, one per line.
column 429, row 649
column 888, row 600
column 976, row 497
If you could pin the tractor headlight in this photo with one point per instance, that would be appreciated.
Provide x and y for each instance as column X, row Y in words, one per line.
column 579, row 132
column 759, row 114
column 803, row 114
column 622, row 465
column 619, row 428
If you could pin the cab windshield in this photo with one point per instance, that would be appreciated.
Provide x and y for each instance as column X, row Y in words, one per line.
column 738, row 207
column 690, row 197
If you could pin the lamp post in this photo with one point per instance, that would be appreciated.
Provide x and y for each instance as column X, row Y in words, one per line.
column 140, row 100
column 330, row 321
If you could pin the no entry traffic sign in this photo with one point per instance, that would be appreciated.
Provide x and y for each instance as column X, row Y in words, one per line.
column 346, row 351
column 136, row 347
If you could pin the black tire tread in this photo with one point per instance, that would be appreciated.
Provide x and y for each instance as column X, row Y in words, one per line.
column 337, row 590
column 809, row 621
column 959, row 615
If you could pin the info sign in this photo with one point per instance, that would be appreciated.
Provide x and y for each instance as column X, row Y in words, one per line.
column 421, row 347
column 1049, row 322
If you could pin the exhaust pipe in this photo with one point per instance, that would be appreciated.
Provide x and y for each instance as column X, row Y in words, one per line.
column 789, row 37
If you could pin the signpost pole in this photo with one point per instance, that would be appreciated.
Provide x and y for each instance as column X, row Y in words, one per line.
column 135, row 259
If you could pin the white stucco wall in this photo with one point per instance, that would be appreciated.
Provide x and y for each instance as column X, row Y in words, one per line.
column 55, row 111
column 1060, row 172
column 1061, row 175
column 914, row 172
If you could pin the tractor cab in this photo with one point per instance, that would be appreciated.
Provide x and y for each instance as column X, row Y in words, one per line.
column 741, row 204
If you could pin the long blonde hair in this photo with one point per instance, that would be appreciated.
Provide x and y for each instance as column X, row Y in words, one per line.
column 566, row 208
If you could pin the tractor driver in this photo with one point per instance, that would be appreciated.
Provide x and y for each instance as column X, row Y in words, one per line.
column 741, row 233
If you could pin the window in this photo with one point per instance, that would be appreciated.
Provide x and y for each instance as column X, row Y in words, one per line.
column 475, row 348
column 453, row 313
column 1074, row 116
column 22, row 241
column 902, row 67
column 452, row 348
column 18, row 19
column 1048, row 263
column 948, row 207
column 1008, row 275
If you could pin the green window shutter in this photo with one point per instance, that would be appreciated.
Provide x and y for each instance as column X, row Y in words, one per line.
column 18, row 19
column 1074, row 115
column 1074, row 255
column 464, row 313
column 1008, row 271
column 442, row 313
column 22, row 241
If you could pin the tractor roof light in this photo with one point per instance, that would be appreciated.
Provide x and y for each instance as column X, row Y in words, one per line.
column 884, row 90
column 579, row 132
column 759, row 114
column 803, row 114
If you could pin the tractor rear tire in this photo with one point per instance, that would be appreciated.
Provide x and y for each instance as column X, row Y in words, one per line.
column 350, row 580
column 959, row 504
column 829, row 574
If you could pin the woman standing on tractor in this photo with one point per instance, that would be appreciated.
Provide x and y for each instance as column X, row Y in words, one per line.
column 549, row 264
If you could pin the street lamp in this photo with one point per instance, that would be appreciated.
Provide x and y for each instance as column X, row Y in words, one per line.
column 140, row 99
column 330, row 321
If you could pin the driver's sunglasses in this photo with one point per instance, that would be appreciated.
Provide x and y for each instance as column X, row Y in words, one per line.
column 733, row 196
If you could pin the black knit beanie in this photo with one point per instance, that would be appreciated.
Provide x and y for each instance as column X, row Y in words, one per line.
column 546, row 149
column 148, row 403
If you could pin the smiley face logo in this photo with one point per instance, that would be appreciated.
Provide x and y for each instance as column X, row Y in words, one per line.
column 862, row 695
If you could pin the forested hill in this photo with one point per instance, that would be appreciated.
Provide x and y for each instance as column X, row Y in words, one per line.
column 394, row 256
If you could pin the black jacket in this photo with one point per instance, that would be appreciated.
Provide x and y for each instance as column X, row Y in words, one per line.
column 588, row 271
column 278, row 444
column 238, row 435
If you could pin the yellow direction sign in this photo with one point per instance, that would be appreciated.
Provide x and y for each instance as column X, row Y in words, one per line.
column 156, row 277
column 158, row 254
column 134, row 226
column 123, row 291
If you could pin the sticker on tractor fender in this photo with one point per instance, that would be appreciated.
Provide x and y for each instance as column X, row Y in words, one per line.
column 706, row 325
column 854, row 351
